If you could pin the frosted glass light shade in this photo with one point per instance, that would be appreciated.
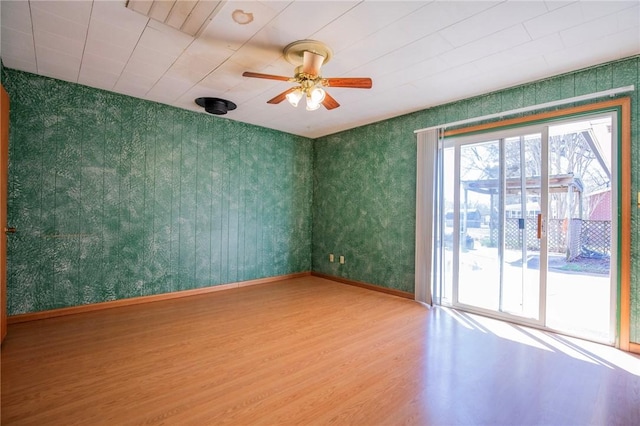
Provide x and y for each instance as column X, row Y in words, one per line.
column 294, row 97
column 311, row 105
column 317, row 95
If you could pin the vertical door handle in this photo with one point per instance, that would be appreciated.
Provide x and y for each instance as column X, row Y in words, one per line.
column 540, row 225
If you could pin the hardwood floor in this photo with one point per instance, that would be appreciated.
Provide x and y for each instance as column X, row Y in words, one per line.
column 307, row 351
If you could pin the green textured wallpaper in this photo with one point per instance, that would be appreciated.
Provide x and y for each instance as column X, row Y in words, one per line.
column 114, row 197
column 364, row 180
column 364, row 204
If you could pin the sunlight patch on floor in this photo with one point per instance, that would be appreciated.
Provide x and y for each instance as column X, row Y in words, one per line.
column 583, row 350
column 506, row 330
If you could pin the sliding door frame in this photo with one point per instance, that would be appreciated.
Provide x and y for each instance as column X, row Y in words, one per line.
column 623, row 107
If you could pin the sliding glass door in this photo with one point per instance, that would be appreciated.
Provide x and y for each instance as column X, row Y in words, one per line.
column 491, row 224
column 525, row 222
column 582, row 219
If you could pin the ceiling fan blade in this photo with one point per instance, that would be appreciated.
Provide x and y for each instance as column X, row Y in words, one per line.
column 354, row 82
column 311, row 63
column 267, row 76
column 329, row 102
column 281, row 97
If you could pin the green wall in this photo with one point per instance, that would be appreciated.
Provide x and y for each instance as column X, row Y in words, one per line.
column 115, row 197
column 364, row 203
column 364, row 180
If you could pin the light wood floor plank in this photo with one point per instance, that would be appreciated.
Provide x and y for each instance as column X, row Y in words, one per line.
column 307, row 351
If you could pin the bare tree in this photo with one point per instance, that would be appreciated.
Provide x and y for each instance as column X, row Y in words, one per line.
column 569, row 154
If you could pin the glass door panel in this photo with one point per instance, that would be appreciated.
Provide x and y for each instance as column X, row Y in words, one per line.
column 448, row 171
column 521, row 259
column 475, row 221
column 492, row 225
column 580, row 224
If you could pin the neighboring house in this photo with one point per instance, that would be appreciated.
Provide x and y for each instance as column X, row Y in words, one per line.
column 599, row 205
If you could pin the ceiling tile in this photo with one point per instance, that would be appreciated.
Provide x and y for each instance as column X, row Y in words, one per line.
column 501, row 16
column 159, row 10
column 74, row 11
column 19, row 63
column 152, row 59
column 55, row 24
column 143, row 6
column 97, row 77
column 258, row 55
column 53, row 63
column 134, row 84
column 296, row 23
column 188, row 16
column 422, row 50
column 58, row 43
column 191, row 68
column 179, row 13
column 362, row 53
column 438, row 15
column 210, row 51
column 361, row 19
column 597, row 9
column 18, row 45
column 98, row 47
column 556, row 4
column 149, row 62
column 405, row 31
column 168, row 89
column 104, row 63
column 555, row 21
column 117, row 14
column 162, row 38
column 109, row 33
column 496, row 42
column 16, row 15
column 503, row 77
column 431, row 66
column 200, row 17
column 630, row 18
column 506, row 59
column 612, row 47
column 607, row 25
column 227, row 76
column 223, row 29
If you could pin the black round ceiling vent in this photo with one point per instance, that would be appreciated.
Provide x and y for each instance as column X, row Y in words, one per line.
column 216, row 105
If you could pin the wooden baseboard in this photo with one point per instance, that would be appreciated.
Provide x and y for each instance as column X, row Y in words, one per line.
column 373, row 287
column 634, row 347
column 72, row 310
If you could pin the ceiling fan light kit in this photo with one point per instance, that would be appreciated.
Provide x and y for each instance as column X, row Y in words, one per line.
column 309, row 56
column 315, row 97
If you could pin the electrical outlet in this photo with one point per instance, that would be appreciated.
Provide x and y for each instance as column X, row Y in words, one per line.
column 331, row 258
column 342, row 260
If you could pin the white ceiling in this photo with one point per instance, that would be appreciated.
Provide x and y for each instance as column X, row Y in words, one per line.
column 419, row 53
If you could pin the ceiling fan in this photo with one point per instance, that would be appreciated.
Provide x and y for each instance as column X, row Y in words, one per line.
column 309, row 56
